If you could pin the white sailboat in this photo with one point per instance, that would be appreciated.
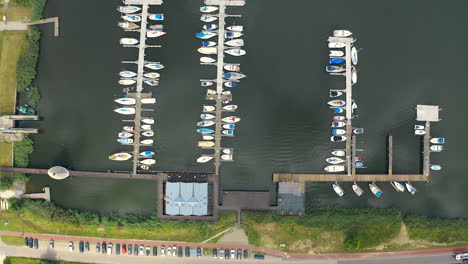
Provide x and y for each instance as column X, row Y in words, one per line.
column 208, row 50
column 230, row 107
column 127, row 74
column 337, row 188
column 146, row 142
column 205, row 144
column 342, row 33
column 235, row 52
column 152, row 82
column 128, row 9
column 208, row 9
column 226, row 157
column 129, row 41
column 207, row 137
column 148, row 100
column 125, row 101
column 357, row 189
column 208, row 18
column 353, row 75
column 205, row 123
column 398, row 186
column 125, row 135
column 120, row 156
column 148, row 161
column 207, row 116
column 232, row 67
column 154, row 66
column 148, row 133
column 410, row 188
column 156, row 17
column 334, row 168
column 204, row 159
column 338, row 153
column 354, row 56
column 155, row 33
column 375, row 189
column 132, row 18
column 128, row 25
column 235, row 28
column 207, row 60
column 151, row 75
column 126, row 81
column 208, row 108
column 149, row 121
column 231, row 119
column 336, row 53
column 232, row 34
column 337, row 103
column 235, row 42
column 205, row 35
column 335, row 45
column 334, row 160
column 125, row 110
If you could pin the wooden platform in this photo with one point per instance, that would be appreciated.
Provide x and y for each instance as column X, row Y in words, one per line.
column 290, row 177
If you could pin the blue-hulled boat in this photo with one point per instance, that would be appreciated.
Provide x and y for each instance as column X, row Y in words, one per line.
column 410, row 188
column 157, row 17
column 375, row 189
column 205, row 131
column 437, row 140
column 331, row 68
column 338, row 110
column 229, row 126
column 125, row 140
column 336, row 60
column 210, row 26
column 208, row 43
column 228, row 132
column 230, row 84
column 146, row 153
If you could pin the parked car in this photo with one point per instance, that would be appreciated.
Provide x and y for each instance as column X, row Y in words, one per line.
column 70, row 246
column 104, row 248
column 174, row 251
column 155, row 251
column 187, row 252
column 246, row 253
column 259, row 256
column 124, row 249
column 169, row 251
column 142, row 250
column 180, row 252
column 226, row 253
column 30, row 242
column 130, row 249
column 221, row 253
column 135, row 250
column 117, row 249
column 233, row 253
column 86, row 246
column 36, row 243
column 98, row 247
column 148, row 251
column 163, row 251
column 26, row 242
column 109, row 249
column 215, row 253
column 198, row 252
column 239, row 254
column 81, row 246
column 51, row 243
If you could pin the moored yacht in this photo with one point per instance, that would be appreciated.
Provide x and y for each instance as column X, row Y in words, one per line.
column 208, row 108
column 437, row 140
column 337, row 103
column 128, row 41
column 208, row 50
column 338, row 138
column 230, row 84
column 125, row 101
column 205, row 131
column 336, row 60
column 339, row 153
column 146, row 142
column 235, row 52
column 235, row 28
column 207, row 116
column 435, row 167
column 230, row 107
column 132, row 18
column 147, row 133
column 154, row 66
column 336, row 53
column 151, row 75
column 156, row 17
column 204, row 159
column 338, row 132
column 336, row 69
column 335, row 93
column 334, row 160
column 338, row 124
column 334, row 168
column 337, row 188
column 125, row 110
column 235, row 43
column 233, row 76
column 210, row 27
column 128, row 25
column 231, row 119
column 205, row 144
column 232, row 67
column 354, row 56
column 146, row 153
column 208, row 9
column 128, row 9
column 205, row 35
column 148, row 161
column 205, row 123
column 228, row 132
column 148, row 100
column 207, row 43
column 232, row 34
column 125, row 140
column 120, row 156
column 207, row 60
column 375, row 189
column 357, row 189
column 410, row 188
column 127, row 74
column 341, row 33
column 208, row 18
column 125, row 135
column 155, row 33
column 398, row 186
column 149, row 121
column 152, row 82
column 126, row 81
column 336, row 45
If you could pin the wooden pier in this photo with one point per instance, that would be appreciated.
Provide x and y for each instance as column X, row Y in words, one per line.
column 23, row 25
column 54, row 20
column 299, row 177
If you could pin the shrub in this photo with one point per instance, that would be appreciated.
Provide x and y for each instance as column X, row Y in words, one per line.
column 22, row 151
column 6, row 183
column 27, row 61
column 37, row 9
column 111, row 220
column 16, row 205
column 33, row 96
column 20, row 177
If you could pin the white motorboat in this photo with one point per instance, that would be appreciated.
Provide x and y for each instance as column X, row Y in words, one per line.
column 339, row 118
column 146, row 153
column 335, row 93
column 128, row 9
column 132, row 18
column 437, row 140
column 125, row 141
column 155, row 33
column 207, row 60
column 338, row 132
column 353, row 75
column 398, row 186
column 375, row 189
column 419, row 132
column 154, row 66
column 230, row 107
column 354, row 109
column 357, row 189
column 233, row 76
column 127, row 74
column 208, row 50
column 210, row 92
column 231, row 119
column 235, row 42
column 228, row 151
column 230, row 84
column 235, row 52
column 151, row 75
column 338, row 153
column 232, row 67
column 208, row 9
column 146, row 127
column 206, row 83
column 126, row 81
column 205, row 35
column 146, row 142
column 337, row 103
column 120, row 156
column 210, row 27
column 204, row 159
column 207, row 116
column 334, row 160
column 205, row 123
column 334, row 69
column 208, row 108
column 226, row 157
column 338, row 124
column 337, row 188
column 229, row 126
column 435, row 167
column 148, row 100
column 354, row 56
column 342, row 33
column 152, row 82
column 125, row 101
column 336, row 45
column 418, row 127
column 144, row 167
column 208, row 18
column 148, row 121
column 207, row 137
column 358, row 131
column 125, row 135
column 125, row 110
column 228, row 132
column 232, row 34
column 336, row 53
column 128, row 128
column 338, row 138
column 156, row 17
column 208, row 43
column 128, row 25
column 148, row 133
column 128, row 41
column 235, row 28
column 206, row 144
column 148, row 161
column 334, row 168
column 436, row 148
column 410, row 188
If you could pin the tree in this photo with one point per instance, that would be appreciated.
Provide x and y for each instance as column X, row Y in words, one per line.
column 20, row 177
column 6, row 183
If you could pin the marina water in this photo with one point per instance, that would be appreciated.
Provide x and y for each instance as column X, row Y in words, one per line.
column 411, row 54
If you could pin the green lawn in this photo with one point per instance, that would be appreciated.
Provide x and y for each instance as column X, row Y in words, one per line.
column 13, row 240
column 17, row 260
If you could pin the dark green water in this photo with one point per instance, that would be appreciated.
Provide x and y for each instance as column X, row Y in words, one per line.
column 412, row 54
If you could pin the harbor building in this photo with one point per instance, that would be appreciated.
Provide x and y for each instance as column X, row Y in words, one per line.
column 186, row 198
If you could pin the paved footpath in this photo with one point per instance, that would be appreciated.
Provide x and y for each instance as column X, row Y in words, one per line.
column 436, row 256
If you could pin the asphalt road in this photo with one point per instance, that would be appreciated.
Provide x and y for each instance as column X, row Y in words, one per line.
column 61, row 252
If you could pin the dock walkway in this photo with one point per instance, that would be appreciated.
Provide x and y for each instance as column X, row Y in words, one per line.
column 291, row 177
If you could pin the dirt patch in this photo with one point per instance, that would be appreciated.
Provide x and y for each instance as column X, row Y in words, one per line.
column 237, row 236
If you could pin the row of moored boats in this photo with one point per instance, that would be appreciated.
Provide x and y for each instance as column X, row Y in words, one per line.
column 375, row 190
column 436, row 144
